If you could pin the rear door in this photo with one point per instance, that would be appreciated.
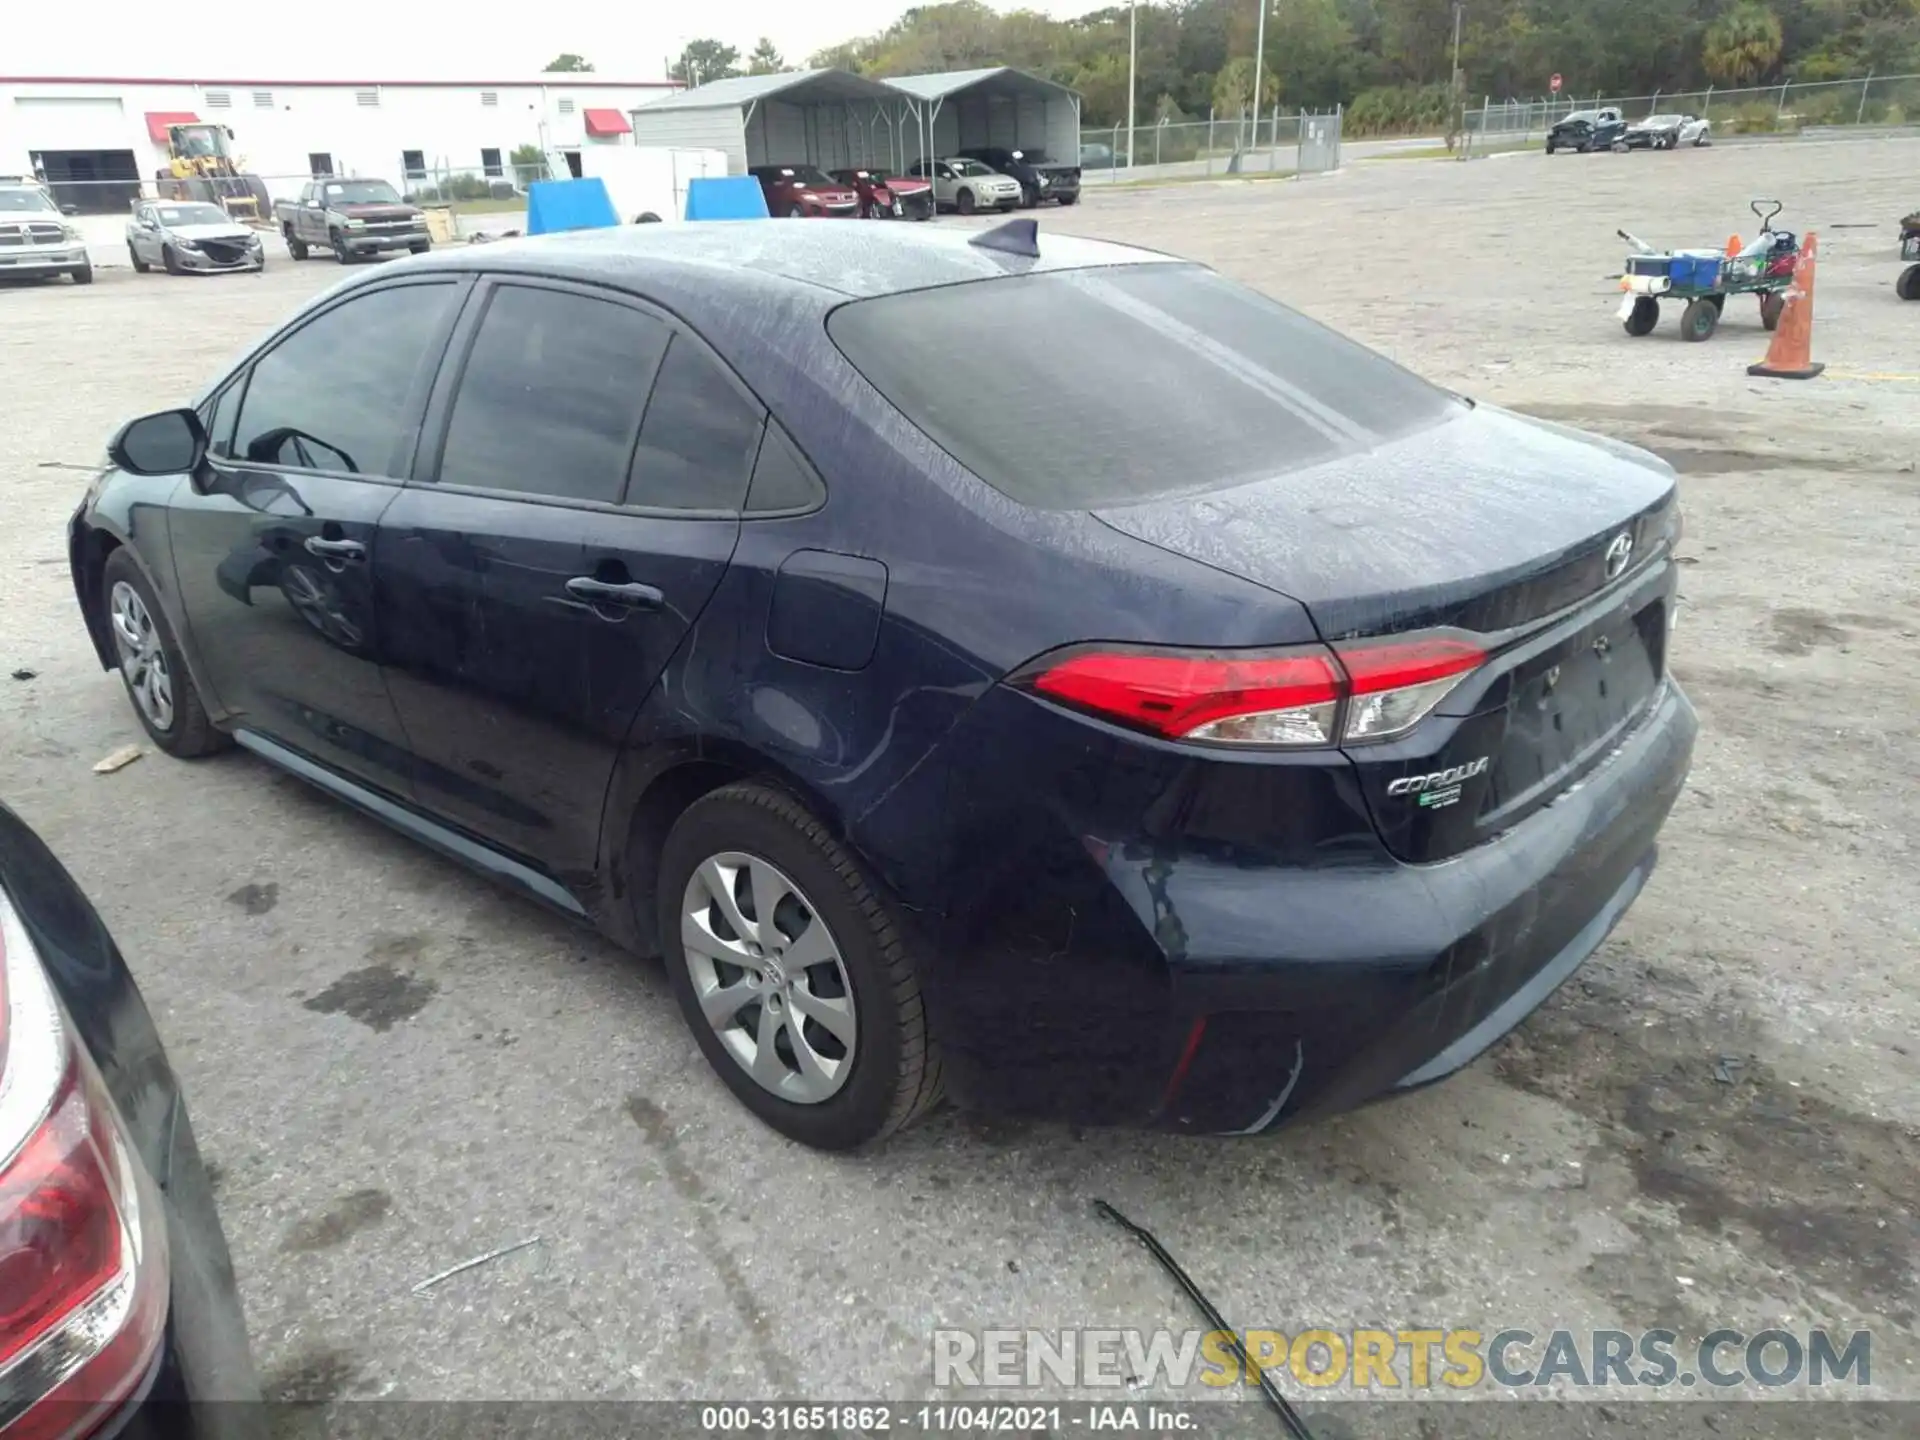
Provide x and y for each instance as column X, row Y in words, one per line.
column 531, row 608
column 275, row 547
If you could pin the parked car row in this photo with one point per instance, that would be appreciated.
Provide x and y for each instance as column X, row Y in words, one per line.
column 981, row 179
column 1586, row 131
column 994, row 179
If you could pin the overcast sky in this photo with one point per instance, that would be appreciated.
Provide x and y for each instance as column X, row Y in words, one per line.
column 416, row 40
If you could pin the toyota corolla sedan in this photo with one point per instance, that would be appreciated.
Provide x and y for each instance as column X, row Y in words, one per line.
column 179, row 236
column 118, row 1312
column 1198, row 721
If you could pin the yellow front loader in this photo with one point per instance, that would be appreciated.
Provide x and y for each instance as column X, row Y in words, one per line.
column 201, row 165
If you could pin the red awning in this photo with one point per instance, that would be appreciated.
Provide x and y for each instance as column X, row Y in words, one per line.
column 159, row 120
column 607, row 122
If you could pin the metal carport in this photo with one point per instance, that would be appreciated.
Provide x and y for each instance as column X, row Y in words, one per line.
column 1000, row 106
column 830, row 118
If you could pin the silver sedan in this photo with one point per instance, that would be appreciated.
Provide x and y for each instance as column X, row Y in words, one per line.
column 184, row 235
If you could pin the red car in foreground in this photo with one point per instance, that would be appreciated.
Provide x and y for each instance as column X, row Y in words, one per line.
column 803, row 191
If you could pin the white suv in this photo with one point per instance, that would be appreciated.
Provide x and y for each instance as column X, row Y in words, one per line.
column 967, row 185
column 35, row 237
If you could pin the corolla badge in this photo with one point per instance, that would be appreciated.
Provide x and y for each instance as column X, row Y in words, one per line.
column 1438, row 788
column 1619, row 552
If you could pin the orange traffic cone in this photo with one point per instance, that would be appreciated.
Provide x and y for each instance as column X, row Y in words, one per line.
column 1790, row 356
column 1733, row 246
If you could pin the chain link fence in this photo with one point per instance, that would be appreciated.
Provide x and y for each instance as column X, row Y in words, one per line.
column 1273, row 142
column 1754, row 110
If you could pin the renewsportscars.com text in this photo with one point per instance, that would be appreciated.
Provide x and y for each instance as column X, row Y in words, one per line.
column 1412, row 1359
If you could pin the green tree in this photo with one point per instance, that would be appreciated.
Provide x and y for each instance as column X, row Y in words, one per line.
column 765, row 60
column 528, row 163
column 1742, row 45
column 705, row 60
column 1233, row 86
column 569, row 63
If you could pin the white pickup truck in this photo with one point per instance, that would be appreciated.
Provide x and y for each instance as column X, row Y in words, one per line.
column 36, row 238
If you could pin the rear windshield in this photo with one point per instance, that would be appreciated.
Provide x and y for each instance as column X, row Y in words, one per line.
column 1077, row 389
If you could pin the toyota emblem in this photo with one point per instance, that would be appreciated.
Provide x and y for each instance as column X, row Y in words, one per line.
column 1619, row 551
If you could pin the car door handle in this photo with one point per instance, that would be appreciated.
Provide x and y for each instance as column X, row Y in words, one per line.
column 336, row 549
column 630, row 596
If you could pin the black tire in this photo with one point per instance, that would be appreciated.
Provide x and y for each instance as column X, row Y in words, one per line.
column 140, row 266
column 1646, row 315
column 1771, row 305
column 1549, row 145
column 1700, row 319
column 420, row 248
column 84, row 275
column 169, row 261
column 895, row 1074
column 339, row 248
column 190, row 734
column 647, row 217
column 1907, row 287
column 296, row 248
column 1068, row 199
column 964, row 202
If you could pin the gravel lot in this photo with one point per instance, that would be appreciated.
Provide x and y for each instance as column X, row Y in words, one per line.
column 396, row 1066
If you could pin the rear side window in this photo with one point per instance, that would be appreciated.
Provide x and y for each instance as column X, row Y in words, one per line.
column 551, row 396
column 696, row 449
column 782, row 478
column 1153, row 380
column 337, row 394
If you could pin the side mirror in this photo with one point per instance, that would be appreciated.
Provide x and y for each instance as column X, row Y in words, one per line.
column 69, row 209
column 172, row 442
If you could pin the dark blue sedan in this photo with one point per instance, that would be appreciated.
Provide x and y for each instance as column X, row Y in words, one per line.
column 1051, row 675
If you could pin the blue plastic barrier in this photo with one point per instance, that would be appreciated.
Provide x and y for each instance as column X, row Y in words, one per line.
column 568, row 205
column 726, row 197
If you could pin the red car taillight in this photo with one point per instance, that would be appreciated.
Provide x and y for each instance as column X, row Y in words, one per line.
column 83, row 1258
column 1304, row 695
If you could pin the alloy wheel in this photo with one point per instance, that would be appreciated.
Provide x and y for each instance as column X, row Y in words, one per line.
column 143, row 659
column 769, row 978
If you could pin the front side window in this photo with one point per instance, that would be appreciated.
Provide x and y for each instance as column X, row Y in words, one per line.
column 551, row 396
column 338, row 393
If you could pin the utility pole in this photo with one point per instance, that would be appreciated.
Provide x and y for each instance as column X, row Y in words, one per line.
column 1259, row 54
column 1133, row 66
column 1459, row 122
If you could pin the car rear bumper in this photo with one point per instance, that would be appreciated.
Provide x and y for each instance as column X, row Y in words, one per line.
column 1200, row 987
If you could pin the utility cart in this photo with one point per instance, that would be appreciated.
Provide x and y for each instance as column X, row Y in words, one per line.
column 1705, row 278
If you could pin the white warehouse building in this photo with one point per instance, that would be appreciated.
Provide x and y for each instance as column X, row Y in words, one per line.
column 95, row 140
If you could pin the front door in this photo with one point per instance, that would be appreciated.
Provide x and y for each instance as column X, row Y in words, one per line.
column 275, row 544
column 533, row 605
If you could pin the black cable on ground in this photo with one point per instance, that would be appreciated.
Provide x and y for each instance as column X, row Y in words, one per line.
column 1289, row 1417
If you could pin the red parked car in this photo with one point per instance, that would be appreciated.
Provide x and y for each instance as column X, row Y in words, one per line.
column 803, row 191
column 884, row 196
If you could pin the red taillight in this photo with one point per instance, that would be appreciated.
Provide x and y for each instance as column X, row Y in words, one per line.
column 1301, row 696
column 83, row 1263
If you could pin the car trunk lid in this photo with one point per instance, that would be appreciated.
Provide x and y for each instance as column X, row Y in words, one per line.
column 1549, row 547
